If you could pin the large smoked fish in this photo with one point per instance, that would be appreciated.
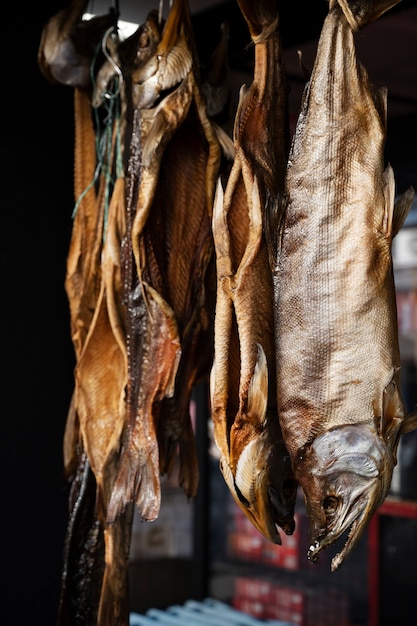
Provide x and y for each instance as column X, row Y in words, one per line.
column 337, row 355
column 253, row 458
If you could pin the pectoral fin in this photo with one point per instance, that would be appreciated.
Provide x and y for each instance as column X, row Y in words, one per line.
column 401, row 209
column 395, row 211
column 393, row 415
column 410, row 422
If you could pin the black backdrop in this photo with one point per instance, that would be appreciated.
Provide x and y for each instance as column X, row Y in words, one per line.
column 36, row 352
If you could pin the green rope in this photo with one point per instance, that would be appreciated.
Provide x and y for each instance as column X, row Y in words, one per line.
column 110, row 112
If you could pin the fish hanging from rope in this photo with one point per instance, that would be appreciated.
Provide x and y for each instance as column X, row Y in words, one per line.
column 253, row 457
column 69, row 53
column 129, row 341
column 337, row 355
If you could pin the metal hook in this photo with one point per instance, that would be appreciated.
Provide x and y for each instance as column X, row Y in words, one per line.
column 111, row 61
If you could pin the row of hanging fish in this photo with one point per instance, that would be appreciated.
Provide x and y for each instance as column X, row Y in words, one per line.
column 140, row 282
column 259, row 261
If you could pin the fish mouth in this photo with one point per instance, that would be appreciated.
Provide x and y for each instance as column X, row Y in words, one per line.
column 282, row 504
column 267, row 497
column 272, row 511
column 345, row 475
column 342, row 515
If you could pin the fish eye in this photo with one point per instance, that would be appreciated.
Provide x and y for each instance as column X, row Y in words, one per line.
column 330, row 505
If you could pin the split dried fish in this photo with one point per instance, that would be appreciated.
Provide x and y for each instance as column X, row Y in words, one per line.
column 94, row 583
column 253, row 458
column 338, row 362
column 173, row 142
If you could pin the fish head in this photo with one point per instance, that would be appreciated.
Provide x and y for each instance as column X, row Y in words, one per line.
column 254, row 460
column 345, row 474
column 263, row 485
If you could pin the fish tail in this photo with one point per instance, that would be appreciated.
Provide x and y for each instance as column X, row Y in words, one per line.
column 136, row 482
column 261, row 18
column 114, row 599
column 358, row 13
column 189, row 471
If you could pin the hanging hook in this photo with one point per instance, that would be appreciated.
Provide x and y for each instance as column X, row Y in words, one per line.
column 112, row 63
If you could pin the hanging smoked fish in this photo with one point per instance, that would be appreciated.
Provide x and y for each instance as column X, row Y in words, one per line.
column 253, row 458
column 69, row 52
column 338, row 362
column 173, row 163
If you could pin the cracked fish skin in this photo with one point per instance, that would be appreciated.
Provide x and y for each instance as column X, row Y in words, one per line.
column 338, row 362
column 253, row 457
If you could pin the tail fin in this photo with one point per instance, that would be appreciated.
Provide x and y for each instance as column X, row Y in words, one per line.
column 361, row 12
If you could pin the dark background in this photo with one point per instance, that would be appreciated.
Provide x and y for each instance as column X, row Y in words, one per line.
column 37, row 358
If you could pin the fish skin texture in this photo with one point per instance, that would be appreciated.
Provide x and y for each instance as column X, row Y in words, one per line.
column 338, row 362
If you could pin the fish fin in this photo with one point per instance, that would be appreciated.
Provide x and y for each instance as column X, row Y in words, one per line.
column 274, row 213
column 227, row 474
column 392, row 415
column 389, row 193
column 410, row 422
column 396, row 211
column 258, row 388
column 401, row 209
column 245, row 471
column 221, row 233
column 226, row 143
column 306, row 72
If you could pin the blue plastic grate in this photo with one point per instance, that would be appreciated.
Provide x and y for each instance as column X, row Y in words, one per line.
column 209, row 612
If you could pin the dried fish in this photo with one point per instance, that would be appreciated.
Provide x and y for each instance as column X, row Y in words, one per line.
column 338, row 362
column 69, row 44
column 253, row 457
column 172, row 143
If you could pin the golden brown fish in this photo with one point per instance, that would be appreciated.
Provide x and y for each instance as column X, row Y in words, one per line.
column 94, row 584
column 338, row 362
column 173, row 163
column 253, row 457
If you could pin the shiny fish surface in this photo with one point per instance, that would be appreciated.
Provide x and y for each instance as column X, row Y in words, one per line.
column 338, row 362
